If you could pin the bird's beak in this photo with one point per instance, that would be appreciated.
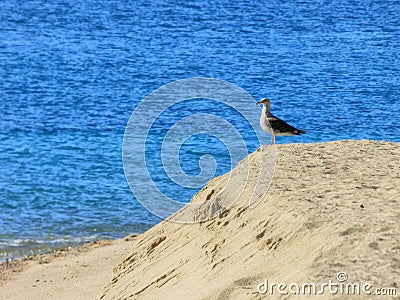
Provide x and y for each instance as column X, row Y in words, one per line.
column 258, row 103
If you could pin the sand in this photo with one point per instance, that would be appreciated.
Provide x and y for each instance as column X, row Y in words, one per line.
column 332, row 207
column 78, row 273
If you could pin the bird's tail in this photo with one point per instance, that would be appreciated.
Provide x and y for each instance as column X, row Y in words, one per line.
column 298, row 132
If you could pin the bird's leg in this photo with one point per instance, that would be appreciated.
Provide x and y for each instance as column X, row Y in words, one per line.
column 273, row 140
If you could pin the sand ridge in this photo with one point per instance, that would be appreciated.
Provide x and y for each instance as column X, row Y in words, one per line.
column 332, row 207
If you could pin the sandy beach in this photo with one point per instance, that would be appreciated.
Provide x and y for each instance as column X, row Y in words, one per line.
column 77, row 273
column 331, row 214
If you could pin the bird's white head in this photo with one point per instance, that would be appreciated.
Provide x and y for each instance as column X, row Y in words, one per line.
column 264, row 101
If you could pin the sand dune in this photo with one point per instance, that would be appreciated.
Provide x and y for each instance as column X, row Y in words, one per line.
column 332, row 207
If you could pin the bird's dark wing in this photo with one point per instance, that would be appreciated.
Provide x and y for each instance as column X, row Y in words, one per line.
column 280, row 126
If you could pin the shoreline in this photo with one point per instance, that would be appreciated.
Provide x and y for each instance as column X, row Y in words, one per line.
column 80, row 272
column 57, row 250
column 11, row 266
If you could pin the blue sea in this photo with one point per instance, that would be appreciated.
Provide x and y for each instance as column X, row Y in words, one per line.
column 72, row 72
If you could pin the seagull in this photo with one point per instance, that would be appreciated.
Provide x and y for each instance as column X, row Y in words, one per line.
column 279, row 127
